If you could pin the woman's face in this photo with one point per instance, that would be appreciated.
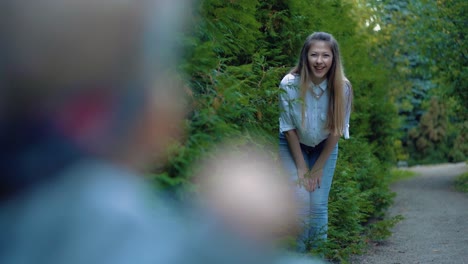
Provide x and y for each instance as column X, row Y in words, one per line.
column 320, row 58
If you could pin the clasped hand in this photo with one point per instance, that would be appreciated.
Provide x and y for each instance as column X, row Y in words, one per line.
column 310, row 179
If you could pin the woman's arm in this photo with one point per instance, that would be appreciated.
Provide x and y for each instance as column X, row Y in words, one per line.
column 317, row 171
column 295, row 148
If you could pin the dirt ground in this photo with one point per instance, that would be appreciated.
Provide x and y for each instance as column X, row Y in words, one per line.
column 435, row 225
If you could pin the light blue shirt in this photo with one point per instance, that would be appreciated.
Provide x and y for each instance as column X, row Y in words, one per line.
column 312, row 131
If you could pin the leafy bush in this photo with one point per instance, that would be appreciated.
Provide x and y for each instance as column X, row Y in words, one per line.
column 461, row 183
column 359, row 193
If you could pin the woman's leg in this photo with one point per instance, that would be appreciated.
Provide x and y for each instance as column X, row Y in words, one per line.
column 302, row 195
column 319, row 197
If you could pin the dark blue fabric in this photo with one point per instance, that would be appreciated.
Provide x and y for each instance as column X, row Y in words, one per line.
column 31, row 152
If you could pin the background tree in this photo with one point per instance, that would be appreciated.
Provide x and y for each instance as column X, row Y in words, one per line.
column 422, row 41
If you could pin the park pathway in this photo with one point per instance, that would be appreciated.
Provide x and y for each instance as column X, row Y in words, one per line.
column 435, row 225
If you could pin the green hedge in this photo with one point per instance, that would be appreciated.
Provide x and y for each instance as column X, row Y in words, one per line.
column 461, row 182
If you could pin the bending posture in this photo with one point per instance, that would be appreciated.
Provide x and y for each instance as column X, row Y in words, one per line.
column 315, row 109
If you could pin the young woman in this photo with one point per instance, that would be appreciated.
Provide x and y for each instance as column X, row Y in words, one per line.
column 315, row 109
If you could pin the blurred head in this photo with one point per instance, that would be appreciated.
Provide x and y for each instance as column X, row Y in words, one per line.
column 244, row 186
column 91, row 66
column 97, row 74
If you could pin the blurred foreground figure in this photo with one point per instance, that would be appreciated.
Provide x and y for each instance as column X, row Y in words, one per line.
column 87, row 99
column 246, row 189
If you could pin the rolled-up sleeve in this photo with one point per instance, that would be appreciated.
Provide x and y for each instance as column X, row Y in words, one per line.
column 285, row 106
column 349, row 102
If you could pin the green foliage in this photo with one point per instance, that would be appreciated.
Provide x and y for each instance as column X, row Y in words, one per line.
column 461, row 182
column 360, row 193
column 430, row 134
column 398, row 175
column 437, row 139
column 459, row 134
column 380, row 230
column 279, row 41
column 424, row 43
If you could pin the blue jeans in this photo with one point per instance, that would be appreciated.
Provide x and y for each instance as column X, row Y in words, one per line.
column 313, row 206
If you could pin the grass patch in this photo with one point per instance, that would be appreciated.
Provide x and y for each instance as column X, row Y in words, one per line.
column 400, row 174
column 461, row 182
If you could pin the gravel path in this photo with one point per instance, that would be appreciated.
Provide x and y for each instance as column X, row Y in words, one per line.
column 435, row 228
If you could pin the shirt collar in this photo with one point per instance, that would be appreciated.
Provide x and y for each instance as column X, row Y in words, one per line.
column 323, row 85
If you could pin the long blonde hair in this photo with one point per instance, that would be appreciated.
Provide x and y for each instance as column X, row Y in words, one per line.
column 336, row 80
